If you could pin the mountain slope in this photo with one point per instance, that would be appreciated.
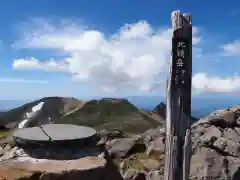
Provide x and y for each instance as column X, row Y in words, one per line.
column 54, row 107
column 106, row 113
column 112, row 114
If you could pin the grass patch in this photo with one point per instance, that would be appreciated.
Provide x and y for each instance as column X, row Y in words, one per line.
column 4, row 133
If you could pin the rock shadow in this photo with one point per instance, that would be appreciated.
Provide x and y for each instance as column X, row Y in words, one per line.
column 112, row 169
column 236, row 175
column 63, row 150
column 65, row 153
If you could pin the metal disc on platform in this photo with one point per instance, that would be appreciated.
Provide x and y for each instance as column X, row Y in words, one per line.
column 50, row 134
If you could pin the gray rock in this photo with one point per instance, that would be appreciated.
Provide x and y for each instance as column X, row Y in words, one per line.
column 232, row 148
column 226, row 146
column 103, row 133
column 234, row 167
column 220, row 144
column 150, row 164
column 230, row 117
column 119, row 148
column 201, row 122
column 153, row 134
column 211, row 134
column 231, row 134
column 206, row 163
column 238, row 121
column 237, row 130
column 157, row 146
column 198, row 130
column 111, row 134
column 223, row 118
column 12, row 153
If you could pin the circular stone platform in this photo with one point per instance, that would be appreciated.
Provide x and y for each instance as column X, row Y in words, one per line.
column 54, row 134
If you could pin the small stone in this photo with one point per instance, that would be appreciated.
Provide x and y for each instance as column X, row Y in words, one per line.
column 121, row 165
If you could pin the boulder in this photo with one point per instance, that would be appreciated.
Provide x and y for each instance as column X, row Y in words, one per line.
column 223, row 118
column 206, row 163
column 153, row 134
column 231, row 134
column 234, row 167
column 216, row 146
column 120, row 148
column 156, row 146
column 210, row 135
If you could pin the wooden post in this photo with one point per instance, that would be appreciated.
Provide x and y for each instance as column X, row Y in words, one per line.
column 178, row 132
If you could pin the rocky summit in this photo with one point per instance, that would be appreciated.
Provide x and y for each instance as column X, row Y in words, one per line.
column 135, row 156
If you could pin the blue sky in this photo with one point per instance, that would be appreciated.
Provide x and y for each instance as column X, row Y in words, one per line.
column 101, row 48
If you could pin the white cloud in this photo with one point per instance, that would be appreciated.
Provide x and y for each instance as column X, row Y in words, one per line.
column 205, row 83
column 20, row 80
column 137, row 55
column 196, row 38
column 232, row 49
column 33, row 63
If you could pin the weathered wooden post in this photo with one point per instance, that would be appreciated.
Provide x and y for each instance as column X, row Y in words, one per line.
column 178, row 132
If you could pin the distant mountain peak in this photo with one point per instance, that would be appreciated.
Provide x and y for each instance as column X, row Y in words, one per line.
column 160, row 109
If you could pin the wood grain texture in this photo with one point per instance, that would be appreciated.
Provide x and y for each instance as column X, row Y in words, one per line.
column 178, row 133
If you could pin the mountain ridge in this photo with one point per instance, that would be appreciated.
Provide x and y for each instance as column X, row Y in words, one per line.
column 201, row 105
column 105, row 113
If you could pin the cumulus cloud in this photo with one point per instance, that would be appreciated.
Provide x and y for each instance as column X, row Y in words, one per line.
column 232, row 49
column 206, row 83
column 33, row 63
column 20, row 80
column 137, row 55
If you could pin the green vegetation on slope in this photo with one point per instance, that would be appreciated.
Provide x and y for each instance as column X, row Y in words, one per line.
column 4, row 133
column 107, row 113
column 110, row 114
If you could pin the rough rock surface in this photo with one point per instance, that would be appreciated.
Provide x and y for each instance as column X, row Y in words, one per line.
column 86, row 164
column 119, row 148
column 216, row 155
column 216, row 145
column 216, row 148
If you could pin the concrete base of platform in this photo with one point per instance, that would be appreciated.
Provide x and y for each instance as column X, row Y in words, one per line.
column 53, row 135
